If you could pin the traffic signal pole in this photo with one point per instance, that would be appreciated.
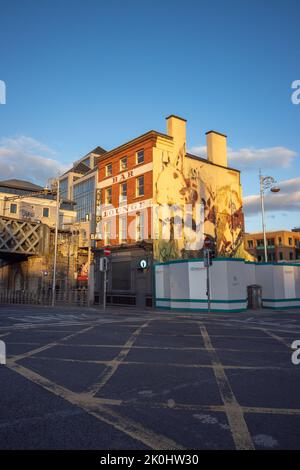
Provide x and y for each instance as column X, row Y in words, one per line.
column 104, row 289
column 207, row 256
column 104, row 268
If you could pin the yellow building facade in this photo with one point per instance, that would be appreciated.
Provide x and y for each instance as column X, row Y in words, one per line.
column 204, row 196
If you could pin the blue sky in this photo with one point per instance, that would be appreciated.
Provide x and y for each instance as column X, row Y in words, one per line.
column 93, row 72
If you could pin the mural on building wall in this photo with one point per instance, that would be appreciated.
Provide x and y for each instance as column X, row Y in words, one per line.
column 213, row 198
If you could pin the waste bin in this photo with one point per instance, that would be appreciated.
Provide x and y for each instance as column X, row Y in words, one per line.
column 254, row 296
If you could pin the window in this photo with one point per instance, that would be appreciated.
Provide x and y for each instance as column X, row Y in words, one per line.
column 140, row 186
column 123, row 192
column 13, row 208
column 250, row 243
column 108, row 196
column 87, row 161
column 107, row 232
column 280, row 241
column 140, row 226
column 260, row 243
column 123, row 164
column 122, row 229
column 270, row 242
column 140, row 157
column 45, row 211
column 291, row 255
column 290, row 241
column 108, row 170
column 280, row 255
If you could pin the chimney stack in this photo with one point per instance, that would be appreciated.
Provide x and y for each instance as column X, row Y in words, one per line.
column 176, row 128
column 216, row 148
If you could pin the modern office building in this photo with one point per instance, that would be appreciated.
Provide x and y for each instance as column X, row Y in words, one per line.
column 157, row 202
column 79, row 184
column 282, row 245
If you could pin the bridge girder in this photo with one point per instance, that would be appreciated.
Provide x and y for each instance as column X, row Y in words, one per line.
column 23, row 237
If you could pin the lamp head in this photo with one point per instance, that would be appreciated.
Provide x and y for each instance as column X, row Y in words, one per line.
column 275, row 189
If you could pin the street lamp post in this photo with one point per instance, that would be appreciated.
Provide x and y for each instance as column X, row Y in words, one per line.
column 90, row 294
column 55, row 242
column 265, row 183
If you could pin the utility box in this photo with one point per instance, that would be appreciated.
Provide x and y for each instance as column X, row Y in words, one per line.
column 254, row 296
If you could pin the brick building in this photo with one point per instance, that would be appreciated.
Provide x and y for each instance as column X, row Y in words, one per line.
column 138, row 183
column 282, row 245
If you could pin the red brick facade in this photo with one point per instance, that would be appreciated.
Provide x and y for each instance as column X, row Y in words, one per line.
column 117, row 176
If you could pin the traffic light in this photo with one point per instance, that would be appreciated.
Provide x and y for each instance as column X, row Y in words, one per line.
column 208, row 257
column 103, row 265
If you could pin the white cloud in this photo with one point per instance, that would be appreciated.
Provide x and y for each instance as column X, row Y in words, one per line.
column 288, row 199
column 23, row 157
column 201, row 151
column 252, row 158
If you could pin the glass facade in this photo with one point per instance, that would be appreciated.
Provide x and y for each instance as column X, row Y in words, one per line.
column 63, row 188
column 84, row 196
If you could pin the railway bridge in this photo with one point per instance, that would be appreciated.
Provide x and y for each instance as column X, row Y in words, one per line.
column 22, row 238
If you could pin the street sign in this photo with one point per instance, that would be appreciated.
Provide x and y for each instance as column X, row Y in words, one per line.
column 143, row 263
column 106, row 251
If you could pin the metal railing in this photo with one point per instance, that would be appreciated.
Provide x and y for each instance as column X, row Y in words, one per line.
column 44, row 297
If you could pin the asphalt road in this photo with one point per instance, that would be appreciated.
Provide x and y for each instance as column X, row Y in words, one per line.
column 124, row 379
